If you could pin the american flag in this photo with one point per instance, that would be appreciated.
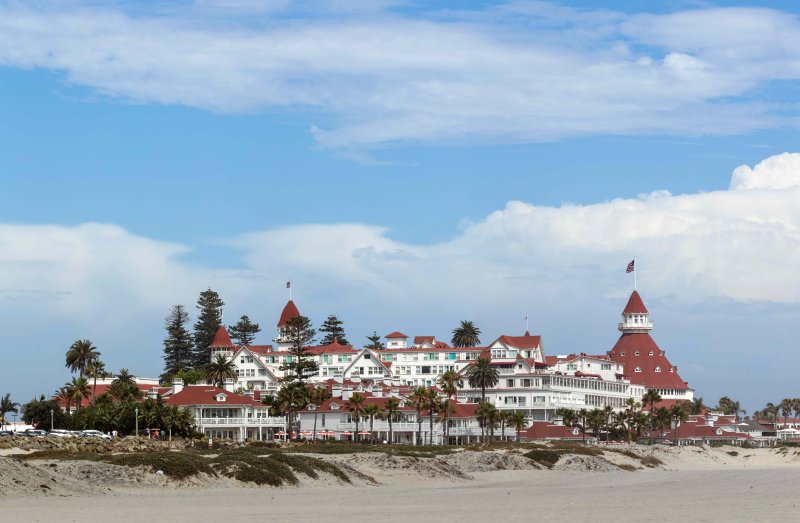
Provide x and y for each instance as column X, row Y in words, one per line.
column 289, row 284
column 631, row 266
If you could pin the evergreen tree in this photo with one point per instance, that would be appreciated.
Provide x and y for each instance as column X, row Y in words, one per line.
column 299, row 334
column 177, row 344
column 244, row 332
column 209, row 320
column 375, row 342
column 332, row 327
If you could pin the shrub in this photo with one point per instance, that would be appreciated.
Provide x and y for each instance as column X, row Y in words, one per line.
column 732, row 453
column 177, row 465
column 629, row 468
column 548, row 458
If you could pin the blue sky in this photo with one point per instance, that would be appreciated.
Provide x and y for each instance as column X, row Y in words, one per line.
column 408, row 166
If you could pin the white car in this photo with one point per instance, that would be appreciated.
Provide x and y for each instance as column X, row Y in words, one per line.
column 61, row 433
column 94, row 434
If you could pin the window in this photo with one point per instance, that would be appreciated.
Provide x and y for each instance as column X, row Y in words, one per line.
column 658, row 369
column 367, row 355
column 343, row 358
column 636, row 353
column 509, row 383
column 637, row 369
column 622, row 354
column 451, row 356
column 526, row 382
column 426, row 370
column 650, row 353
column 605, row 366
column 521, row 401
column 572, row 366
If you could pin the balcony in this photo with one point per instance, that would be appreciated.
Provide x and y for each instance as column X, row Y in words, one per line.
column 275, row 421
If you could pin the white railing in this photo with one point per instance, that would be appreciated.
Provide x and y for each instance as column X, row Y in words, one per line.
column 379, row 426
column 279, row 422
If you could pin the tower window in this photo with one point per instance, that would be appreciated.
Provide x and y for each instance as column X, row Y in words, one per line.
column 650, row 353
column 636, row 353
column 637, row 369
column 658, row 369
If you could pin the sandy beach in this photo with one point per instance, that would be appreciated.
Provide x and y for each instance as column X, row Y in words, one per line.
column 700, row 484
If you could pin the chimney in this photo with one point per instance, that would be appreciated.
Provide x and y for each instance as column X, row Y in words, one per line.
column 177, row 385
column 347, row 393
column 378, row 393
column 336, row 391
column 152, row 393
column 229, row 384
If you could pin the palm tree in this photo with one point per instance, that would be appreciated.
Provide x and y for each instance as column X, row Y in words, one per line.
column 390, row 408
column 79, row 355
column 517, row 421
column 662, row 419
column 486, row 418
column 678, row 415
column 482, row 374
column 64, row 395
column 651, row 397
column 371, row 411
column 220, row 370
column 696, row 407
column 356, row 406
column 317, row 396
column 124, row 378
column 418, row 398
column 569, row 418
column 80, row 389
column 291, row 398
column 6, row 406
column 583, row 414
column 596, row 421
column 466, row 335
column 432, row 403
column 94, row 370
column 503, row 417
column 449, row 384
column 786, row 406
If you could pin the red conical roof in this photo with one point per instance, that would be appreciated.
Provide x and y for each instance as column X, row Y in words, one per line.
column 635, row 305
column 221, row 338
column 289, row 312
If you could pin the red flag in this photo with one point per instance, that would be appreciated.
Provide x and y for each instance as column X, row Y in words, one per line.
column 630, row 266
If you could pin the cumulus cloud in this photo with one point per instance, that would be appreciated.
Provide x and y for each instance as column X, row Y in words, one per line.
column 737, row 245
column 517, row 72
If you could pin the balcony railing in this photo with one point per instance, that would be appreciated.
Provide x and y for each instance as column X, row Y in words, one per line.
column 275, row 421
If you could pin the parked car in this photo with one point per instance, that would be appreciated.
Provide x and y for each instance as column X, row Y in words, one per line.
column 33, row 433
column 61, row 433
column 6, row 433
column 94, row 434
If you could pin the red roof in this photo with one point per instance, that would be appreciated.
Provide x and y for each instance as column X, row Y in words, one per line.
column 633, row 350
column 330, row 348
column 635, row 305
column 221, row 338
column 546, row 430
column 289, row 312
column 207, row 395
column 260, row 349
column 396, row 334
column 525, row 341
column 419, row 340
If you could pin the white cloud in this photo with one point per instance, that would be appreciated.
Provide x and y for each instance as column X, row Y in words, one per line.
column 519, row 72
column 554, row 263
column 776, row 172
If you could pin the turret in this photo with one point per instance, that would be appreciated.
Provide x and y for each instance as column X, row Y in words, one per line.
column 290, row 311
column 222, row 343
column 635, row 317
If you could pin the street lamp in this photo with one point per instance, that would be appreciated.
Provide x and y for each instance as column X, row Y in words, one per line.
column 51, row 420
column 136, row 410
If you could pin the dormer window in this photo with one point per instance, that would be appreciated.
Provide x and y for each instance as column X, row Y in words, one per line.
column 636, row 353
column 311, row 406
column 658, row 369
column 622, row 354
column 221, row 397
column 402, row 404
column 650, row 353
column 334, row 406
column 672, row 369
column 637, row 369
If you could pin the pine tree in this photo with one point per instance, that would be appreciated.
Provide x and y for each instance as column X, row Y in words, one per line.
column 244, row 332
column 177, row 344
column 332, row 327
column 299, row 334
column 375, row 342
column 208, row 322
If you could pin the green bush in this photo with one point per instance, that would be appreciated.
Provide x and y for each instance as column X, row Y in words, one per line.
column 548, row 458
column 177, row 465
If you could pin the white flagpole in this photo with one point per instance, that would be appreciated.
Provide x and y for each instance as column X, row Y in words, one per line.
column 526, row 323
column 290, row 289
column 635, row 268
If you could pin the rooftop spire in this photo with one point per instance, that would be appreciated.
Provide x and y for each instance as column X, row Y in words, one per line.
column 635, row 316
